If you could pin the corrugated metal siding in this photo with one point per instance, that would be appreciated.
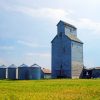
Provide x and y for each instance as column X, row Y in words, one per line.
column 11, row 73
column 23, row 72
column 61, row 56
column 2, row 73
column 34, row 73
column 77, row 59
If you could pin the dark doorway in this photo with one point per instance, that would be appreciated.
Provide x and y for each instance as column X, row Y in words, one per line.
column 60, row 73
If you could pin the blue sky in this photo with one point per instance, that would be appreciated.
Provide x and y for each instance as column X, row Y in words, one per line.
column 28, row 26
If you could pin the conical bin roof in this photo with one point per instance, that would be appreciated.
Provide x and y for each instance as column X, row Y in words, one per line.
column 12, row 66
column 23, row 65
column 35, row 65
column 3, row 66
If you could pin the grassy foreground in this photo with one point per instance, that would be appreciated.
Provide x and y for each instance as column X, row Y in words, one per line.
column 76, row 89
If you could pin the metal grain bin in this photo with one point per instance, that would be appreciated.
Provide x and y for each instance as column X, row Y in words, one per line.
column 23, row 72
column 35, row 72
column 12, row 72
column 3, row 72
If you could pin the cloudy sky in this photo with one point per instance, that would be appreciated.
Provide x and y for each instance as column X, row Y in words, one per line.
column 28, row 26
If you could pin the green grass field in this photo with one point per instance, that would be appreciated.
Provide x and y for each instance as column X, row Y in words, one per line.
column 64, row 89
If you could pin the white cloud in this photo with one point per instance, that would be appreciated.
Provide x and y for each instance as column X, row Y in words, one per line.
column 60, row 14
column 6, row 48
column 31, row 44
column 55, row 15
column 44, row 55
column 44, row 12
column 89, row 24
column 51, row 13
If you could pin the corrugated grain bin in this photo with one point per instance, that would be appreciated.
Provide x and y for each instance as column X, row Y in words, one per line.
column 3, row 72
column 35, row 72
column 23, row 72
column 42, row 74
column 12, row 72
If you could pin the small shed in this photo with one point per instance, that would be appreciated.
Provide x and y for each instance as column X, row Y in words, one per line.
column 87, row 73
column 12, row 72
column 34, row 72
column 3, row 72
column 23, row 73
column 47, row 73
